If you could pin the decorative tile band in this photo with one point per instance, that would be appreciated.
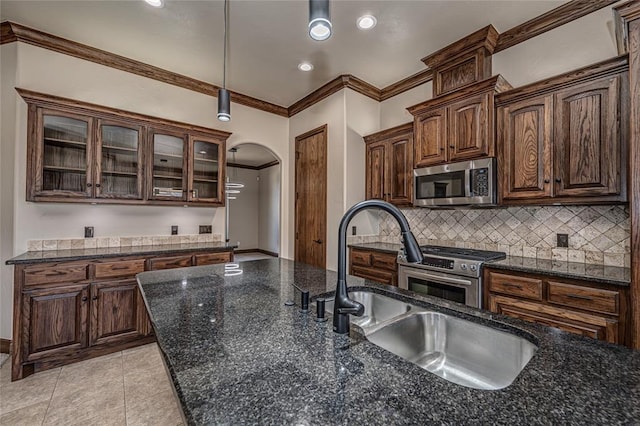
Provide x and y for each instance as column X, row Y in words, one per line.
column 104, row 242
column 597, row 234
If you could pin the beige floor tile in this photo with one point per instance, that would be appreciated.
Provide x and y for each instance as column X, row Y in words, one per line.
column 85, row 402
column 32, row 415
column 28, row 391
column 87, row 375
column 161, row 409
column 145, row 384
column 142, row 358
column 103, row 417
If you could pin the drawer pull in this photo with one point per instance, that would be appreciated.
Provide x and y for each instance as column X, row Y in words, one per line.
column 119, row 268
column 577, row 296
column 518, row 286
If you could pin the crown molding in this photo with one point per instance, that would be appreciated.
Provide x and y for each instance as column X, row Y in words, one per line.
column 248, row 167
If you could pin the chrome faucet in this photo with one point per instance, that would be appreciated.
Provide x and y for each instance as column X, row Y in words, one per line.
column 343, row 306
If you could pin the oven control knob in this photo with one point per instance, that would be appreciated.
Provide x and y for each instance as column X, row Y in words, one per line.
column 463, row 266
column 473, row 267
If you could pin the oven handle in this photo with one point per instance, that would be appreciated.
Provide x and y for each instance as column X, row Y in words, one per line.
column 446, row 280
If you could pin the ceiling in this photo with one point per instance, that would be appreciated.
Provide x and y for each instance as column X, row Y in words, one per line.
column 268, row 38
column 250, row 154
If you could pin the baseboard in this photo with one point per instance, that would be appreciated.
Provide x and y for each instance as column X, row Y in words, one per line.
column 5, row 346
column 255, row 250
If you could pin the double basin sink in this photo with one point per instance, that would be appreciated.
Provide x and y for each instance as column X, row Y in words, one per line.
column 460, row 351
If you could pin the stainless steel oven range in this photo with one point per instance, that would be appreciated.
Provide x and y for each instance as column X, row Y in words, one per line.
column 450, row 273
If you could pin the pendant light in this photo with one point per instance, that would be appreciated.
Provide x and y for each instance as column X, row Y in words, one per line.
column 224, row 101
column 231, row 189
column 319, row 20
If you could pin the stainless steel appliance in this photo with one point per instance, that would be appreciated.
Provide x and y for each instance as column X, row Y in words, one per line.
column 456, row 184
column 450, row 273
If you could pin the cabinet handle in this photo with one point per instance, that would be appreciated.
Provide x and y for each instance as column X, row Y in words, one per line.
column 451, row 146
column 558, row 180
column 89, row 185
column 193, row 193
column 441, row 149
column 546, row 181
column 94, row 298
column 518, row 286
column 577, row 296
column 85, row 298
column 97, row 185
column 317, row 241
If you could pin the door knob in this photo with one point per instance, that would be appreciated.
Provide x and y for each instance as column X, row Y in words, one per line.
column 317, row 241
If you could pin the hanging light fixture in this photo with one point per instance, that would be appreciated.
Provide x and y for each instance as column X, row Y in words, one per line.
column 224, row 101
column 319, row 20
column 231, row 189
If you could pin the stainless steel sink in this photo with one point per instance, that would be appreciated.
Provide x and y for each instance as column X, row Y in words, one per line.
column 457, row 350
column 377, row 309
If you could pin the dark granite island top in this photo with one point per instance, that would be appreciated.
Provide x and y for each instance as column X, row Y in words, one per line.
column 237, row 355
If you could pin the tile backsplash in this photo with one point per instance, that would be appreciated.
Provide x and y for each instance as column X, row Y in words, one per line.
column 104, row 242
column 597, row 234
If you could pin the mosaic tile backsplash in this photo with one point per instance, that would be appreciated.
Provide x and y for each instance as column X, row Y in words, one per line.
column 104, row 242
column 597, row 234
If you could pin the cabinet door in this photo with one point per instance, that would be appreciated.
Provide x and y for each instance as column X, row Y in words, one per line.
column 524, row 144
column 119, row 160
column 55, row 320
column 400, row 167
column 376, row 177
column 114, row 312
column 167, row 166
column 206, row 170
column 588, row 139
column 430, row 138
column 60, row 160
column 470, row 126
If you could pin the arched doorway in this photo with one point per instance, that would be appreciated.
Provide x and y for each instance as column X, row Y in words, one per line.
column 254, row 210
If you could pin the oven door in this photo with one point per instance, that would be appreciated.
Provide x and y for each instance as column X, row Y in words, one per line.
column 465, row 290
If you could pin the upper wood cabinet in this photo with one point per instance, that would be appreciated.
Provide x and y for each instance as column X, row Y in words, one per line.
column 457, row 126
column 79, row 152
column 564, row 139
column 389, row 165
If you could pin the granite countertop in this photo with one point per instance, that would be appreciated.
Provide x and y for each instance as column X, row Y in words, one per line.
column 237, row 355
column 613, row 275
column 94, row 253
column 383, row 247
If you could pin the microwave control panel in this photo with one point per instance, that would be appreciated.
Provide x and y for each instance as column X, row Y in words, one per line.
column 480, row 182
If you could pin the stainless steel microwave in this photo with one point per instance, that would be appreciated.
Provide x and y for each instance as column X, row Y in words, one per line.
column 456, row 184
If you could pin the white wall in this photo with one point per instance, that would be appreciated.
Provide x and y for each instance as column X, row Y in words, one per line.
column 8, row 58
column 269, row 192
column 57, row 74
column 393, row 111
column 244, row 215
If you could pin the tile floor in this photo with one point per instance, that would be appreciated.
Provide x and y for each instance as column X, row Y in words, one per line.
column 125, row 388
column 242, row 257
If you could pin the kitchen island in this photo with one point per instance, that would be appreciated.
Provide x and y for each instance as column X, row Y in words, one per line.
column 236, row 354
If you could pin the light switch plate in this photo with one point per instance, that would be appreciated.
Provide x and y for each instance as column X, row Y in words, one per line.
column 174, row 229
column 88, row 231
column 563, row 240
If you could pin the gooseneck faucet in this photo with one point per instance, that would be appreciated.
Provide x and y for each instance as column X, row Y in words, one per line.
column 343, row 306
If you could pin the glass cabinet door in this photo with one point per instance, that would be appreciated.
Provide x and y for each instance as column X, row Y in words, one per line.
column 167, row 171
column 64, row 157
column 205, row 177
column 119, row 163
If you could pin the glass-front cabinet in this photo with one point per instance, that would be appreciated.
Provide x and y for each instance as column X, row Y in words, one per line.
column 61, row 165
column 205, row 174
column 119, row 167
column 80, row 152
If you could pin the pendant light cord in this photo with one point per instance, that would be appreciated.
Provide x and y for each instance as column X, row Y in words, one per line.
column 224, row 63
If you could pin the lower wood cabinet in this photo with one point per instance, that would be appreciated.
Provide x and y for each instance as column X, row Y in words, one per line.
column 590, row 309
column 69, row 311
column 374, row 265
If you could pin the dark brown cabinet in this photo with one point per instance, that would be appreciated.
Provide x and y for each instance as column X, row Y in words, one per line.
column 374, row 265
column 457, row 126
column 577, row 306
column 563, row 140
column 389, row 165
column 69, row 311
column 81, row 152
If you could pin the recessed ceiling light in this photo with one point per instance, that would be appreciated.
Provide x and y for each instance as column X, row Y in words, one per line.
column 305, row 66
column 155, row 3
column 366, row 22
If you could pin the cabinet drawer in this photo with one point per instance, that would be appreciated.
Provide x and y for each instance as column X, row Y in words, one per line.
column 590, row 299
column 56, row 274
column 169, row 262
column 122, row 268
column 529, row 288
column 212, row 258
column 359, row 257
column 384, row 277
column 384, row 261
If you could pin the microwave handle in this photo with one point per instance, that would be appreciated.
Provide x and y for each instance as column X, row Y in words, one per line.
column 467, row 182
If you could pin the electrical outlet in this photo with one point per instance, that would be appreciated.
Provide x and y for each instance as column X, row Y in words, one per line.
column 174, row 229
column 88, row 231
column 353, row 230
column 204, row 229
column 563, row 240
